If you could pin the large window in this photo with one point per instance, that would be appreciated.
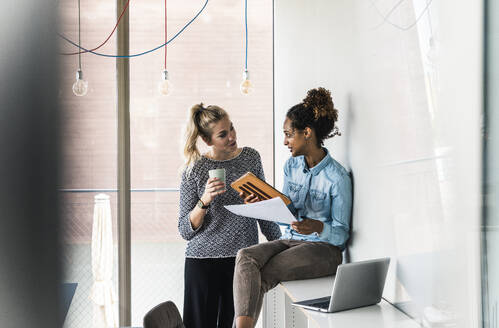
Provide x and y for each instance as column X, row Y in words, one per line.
column 205, row 64
column 89, row 147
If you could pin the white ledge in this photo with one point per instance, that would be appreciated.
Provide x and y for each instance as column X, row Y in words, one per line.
column 380, row 315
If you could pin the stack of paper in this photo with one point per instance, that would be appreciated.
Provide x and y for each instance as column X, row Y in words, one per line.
column 270, row 210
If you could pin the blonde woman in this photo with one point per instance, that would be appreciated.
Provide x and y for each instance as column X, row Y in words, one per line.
column 214, row 234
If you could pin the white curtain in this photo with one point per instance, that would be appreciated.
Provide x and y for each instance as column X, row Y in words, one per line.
column 102, row 293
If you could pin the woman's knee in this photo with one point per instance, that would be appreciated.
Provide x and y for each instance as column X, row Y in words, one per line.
column 242, row 254
column 247, row 254
column 259, row 254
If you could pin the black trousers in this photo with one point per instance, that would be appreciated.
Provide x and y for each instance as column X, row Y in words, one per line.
column 208, row 298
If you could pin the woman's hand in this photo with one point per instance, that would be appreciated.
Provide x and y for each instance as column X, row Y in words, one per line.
column 251, row 198
column 307, row 226
column 214, row 187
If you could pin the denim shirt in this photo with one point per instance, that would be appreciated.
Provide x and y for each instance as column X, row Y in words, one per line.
column 324, row 193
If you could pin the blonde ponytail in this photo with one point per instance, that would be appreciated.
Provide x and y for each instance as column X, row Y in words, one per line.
column 199, row 125
column 191, row 152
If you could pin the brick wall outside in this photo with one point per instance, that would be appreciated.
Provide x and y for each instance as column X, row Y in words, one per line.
column 205, row 64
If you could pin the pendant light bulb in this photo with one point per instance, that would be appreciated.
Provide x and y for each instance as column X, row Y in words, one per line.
column 80, row 87
column 165, row 87
column 246, row 86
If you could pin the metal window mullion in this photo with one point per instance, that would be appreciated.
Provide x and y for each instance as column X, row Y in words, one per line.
column 265, row 308
column 123, row 112
column 273, row 94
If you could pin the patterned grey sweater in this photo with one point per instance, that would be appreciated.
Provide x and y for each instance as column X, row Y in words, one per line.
column 222, row 233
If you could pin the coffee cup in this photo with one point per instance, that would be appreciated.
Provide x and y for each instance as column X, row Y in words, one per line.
column 218, row 173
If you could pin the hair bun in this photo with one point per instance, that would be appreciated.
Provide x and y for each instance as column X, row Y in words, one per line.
column 197, row 107
column 320, row 102
column 196, row 110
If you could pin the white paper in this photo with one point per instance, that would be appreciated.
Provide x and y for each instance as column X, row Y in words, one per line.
column 270, row 210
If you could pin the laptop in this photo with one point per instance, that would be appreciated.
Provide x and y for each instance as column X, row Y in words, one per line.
column 67, row 292
column 355, row 285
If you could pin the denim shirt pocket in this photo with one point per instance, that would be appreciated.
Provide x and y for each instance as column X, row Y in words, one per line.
column 318, row 200
column 294, row 191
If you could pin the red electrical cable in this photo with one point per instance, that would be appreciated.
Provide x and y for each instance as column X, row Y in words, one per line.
column 103, row 43
column 166, row 33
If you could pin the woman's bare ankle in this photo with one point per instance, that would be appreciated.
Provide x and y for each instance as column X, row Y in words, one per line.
column 244, row 322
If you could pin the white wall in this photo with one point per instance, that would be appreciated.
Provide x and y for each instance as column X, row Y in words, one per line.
column 491, row 262
column 410, row 105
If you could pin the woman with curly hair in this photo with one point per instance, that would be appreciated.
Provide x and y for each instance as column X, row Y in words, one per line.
column 321, row 193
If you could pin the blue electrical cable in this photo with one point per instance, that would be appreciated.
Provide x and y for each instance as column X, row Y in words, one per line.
column 142, row 53
column 246, row 29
